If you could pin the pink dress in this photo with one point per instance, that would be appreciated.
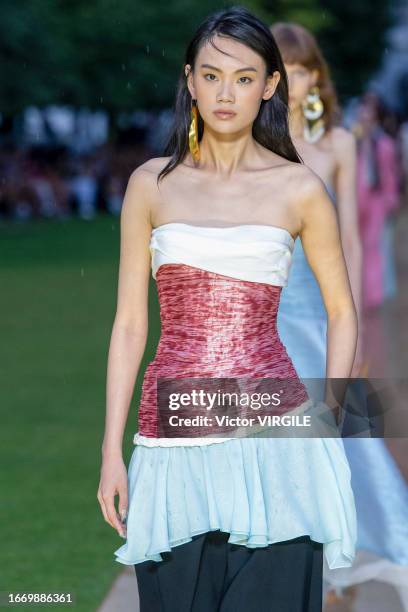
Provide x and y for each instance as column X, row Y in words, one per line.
column 377, row 190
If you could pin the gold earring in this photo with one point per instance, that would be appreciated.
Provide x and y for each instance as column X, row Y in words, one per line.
column 193, row 132
column 313, row 109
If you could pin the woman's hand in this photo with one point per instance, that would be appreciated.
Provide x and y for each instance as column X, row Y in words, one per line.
column 114, row 481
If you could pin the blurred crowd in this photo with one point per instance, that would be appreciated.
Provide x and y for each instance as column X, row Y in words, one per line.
column 54, row 182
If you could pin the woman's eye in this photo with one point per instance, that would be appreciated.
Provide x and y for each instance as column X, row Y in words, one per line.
column 209, row 75
column 249, row 79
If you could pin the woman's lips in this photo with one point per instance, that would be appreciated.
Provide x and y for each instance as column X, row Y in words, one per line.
column 224, row 114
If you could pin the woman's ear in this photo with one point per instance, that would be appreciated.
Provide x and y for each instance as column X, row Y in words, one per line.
column 189, row 77
column 271, row 85
column 315, row 76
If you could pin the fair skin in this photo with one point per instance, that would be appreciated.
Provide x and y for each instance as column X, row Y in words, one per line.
column 233, row 180
column 333, row 158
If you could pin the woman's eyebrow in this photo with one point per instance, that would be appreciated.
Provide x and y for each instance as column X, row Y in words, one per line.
column 247, row 69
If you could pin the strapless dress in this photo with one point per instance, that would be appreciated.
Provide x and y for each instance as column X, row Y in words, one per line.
column 219, row 291
column 380, row 490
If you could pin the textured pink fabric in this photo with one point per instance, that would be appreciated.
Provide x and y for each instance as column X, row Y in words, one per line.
column 215, row 326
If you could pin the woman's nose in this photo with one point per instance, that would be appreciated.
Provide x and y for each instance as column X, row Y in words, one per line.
column 225, row 94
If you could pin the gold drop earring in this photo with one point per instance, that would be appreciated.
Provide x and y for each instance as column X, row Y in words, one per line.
column 193, row 132
column 313, row 109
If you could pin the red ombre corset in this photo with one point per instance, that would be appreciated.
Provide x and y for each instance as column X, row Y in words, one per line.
column 219, row 291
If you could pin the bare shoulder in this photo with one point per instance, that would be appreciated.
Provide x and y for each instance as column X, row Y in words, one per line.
column 308, row 194
column 141, row 193
column 148, row 172
column 304, row 183
column 343, row 142
column 294, row 179
column 142, row 184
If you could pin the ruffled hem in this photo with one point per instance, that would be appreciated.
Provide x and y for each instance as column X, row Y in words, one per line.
column 259, row 490
column 369, row 566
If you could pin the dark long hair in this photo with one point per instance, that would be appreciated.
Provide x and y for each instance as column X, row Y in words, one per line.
column 270, row 127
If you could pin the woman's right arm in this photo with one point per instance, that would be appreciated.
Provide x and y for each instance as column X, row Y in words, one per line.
column 321, row 241
column 128, row 339
column 344, row 145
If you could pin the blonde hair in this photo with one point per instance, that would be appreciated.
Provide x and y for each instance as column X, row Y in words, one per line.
column 298, row 46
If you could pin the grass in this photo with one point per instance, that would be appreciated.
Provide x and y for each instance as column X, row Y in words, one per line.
column 58, row 296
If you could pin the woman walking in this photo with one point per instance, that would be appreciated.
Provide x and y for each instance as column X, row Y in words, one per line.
column 330, row 151
column 226, row 523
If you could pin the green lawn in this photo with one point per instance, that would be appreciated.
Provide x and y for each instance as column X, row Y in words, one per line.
column 58, row 298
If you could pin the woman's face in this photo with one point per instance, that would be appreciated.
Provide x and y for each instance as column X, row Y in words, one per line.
column 300, row 80
column 367, row 115
column 234, row 83
column 367, row 110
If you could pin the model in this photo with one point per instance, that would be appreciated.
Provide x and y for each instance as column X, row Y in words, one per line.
column 226, row 523
column 378, row 199
column 302, row 323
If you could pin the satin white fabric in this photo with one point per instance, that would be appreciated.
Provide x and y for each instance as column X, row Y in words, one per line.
column 258, row 253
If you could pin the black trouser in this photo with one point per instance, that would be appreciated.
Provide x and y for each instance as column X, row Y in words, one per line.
column 210, row 575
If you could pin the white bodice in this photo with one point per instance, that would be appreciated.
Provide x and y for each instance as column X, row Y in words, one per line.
column 258, row 253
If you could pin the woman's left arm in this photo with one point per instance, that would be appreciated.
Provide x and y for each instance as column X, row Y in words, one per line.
column 320, row 236
column 345, row 151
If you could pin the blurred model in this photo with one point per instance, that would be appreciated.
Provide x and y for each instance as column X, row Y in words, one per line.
column 378, row 198
column 330, row 151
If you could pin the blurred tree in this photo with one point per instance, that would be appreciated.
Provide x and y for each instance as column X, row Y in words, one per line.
column 123, row 55
column 32, row 54
column 351, row 34
column 353, row 41
column 306, row 12
column 131, row 55
column 99, row 53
